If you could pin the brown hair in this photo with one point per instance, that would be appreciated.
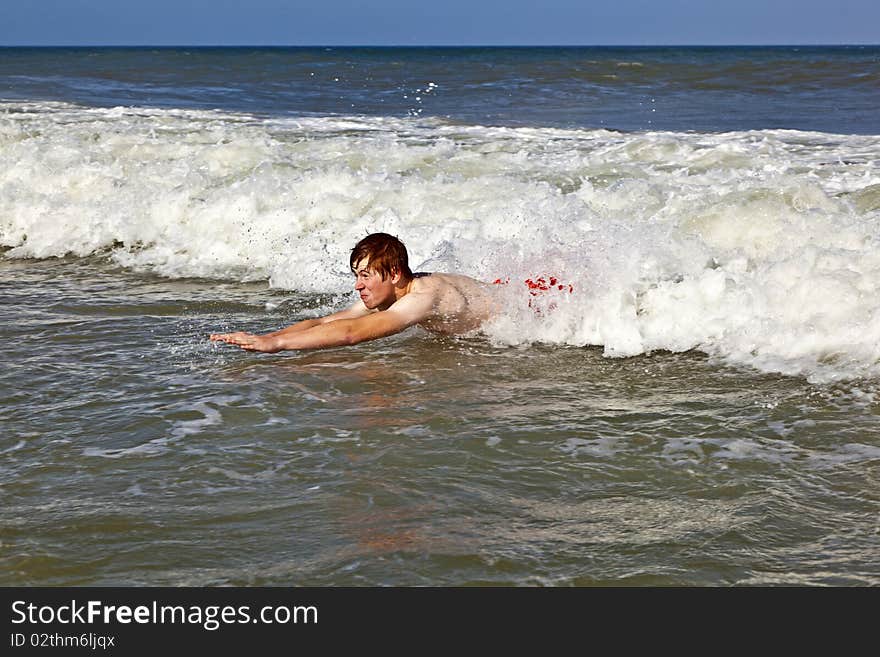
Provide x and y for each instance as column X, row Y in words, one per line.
column 385, row 254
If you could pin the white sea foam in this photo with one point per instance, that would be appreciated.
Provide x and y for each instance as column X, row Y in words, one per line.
column 759, row 248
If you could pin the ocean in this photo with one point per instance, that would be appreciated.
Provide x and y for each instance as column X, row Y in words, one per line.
column 701, row 409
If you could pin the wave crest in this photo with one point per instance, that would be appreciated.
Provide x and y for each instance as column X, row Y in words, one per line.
column 759, row 248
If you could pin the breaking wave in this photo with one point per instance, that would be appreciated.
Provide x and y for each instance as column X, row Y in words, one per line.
column 759, row 248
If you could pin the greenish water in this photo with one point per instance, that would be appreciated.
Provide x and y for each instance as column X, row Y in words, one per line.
column 133, row 451
column 713, row 210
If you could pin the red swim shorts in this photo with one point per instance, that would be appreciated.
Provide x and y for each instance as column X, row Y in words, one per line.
column 539, row 286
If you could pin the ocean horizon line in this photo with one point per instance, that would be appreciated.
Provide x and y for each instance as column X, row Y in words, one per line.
column 437, row 46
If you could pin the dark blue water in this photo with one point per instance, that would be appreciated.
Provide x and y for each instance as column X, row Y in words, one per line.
column 706, row 89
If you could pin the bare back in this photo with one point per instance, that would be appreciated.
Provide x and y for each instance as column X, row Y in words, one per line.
column 459, row 304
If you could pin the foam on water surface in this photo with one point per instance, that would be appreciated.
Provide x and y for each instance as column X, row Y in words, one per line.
column 758, row 248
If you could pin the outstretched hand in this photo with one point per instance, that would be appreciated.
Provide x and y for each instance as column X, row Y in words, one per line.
column 248, row 341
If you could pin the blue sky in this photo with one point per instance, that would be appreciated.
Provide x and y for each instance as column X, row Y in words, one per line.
column 441, row 22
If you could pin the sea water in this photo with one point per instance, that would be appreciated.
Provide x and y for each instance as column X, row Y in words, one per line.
column 697, row 405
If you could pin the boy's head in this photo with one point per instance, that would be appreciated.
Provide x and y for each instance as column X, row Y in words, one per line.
column 384, row 254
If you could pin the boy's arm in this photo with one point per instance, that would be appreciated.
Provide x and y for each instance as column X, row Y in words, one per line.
column 357, row 310
column 344, row 330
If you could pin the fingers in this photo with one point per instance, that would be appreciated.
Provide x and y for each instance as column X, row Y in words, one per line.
column 228, row 336
column 239, row 338
column 247, row 341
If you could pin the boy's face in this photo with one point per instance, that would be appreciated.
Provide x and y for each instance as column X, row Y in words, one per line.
column 374, row 292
